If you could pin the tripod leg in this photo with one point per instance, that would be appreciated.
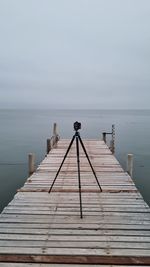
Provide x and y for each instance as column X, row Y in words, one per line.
column 62, row 163
column 79, row 180
column 89, row 162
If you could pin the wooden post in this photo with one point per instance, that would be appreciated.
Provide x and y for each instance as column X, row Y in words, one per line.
column 55, row 134
column 48, row 145
column 113, row 140
column 54, row 140
column 51, row 142
column 55, row 130
column 130, row 164
column 31, row 163
column 104, row 137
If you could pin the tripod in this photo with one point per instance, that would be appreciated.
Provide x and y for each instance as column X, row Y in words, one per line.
column 76, row 136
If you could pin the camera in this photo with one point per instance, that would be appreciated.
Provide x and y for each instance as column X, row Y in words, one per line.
column 77, row 125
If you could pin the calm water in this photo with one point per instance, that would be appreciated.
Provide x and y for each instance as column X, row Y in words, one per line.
column 22, row 132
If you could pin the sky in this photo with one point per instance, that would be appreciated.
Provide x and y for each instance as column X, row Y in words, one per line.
column 75, row 54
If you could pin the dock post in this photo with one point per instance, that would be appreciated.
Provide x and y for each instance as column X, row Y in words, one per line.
column 55, row 134
column 112, row 143
column 104, row 137
column 130, row 164
column 52, row 142
column 31, row 163
column 48, row 145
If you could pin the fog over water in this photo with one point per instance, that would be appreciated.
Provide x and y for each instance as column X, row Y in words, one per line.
column 75, row 54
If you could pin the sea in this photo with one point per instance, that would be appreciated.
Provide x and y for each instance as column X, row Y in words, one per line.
column 26, row 131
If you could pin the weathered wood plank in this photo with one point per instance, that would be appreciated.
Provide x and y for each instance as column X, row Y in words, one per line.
column 36, row 229
column 77, row 238
column 133, row 228
column 74, row 244
column 79, row 256
column 9, row 264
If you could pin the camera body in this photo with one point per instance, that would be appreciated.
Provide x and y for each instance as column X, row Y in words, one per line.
column 77, row 126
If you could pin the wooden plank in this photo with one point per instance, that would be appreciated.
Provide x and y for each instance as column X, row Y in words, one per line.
column 97, row 212
column 97, row 208
column 36, row 229
column 9, row 264
column 77, row 238
column 75, row 244
column 71, row 219
column 127, row 228
column 88, row 215
column 88, row 196
column 71, row 255
column 79, row 256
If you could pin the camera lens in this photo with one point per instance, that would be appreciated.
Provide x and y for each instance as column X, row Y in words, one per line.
column 77, row 126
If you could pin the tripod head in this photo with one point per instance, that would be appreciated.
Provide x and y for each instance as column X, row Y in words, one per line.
column 77, row 126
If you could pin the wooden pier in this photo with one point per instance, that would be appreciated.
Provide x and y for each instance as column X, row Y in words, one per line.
column 41, row 229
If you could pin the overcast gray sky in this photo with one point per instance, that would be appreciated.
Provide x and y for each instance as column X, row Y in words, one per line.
column 75, row 54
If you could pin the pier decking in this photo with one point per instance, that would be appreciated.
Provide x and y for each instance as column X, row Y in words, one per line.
column 46, row 229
